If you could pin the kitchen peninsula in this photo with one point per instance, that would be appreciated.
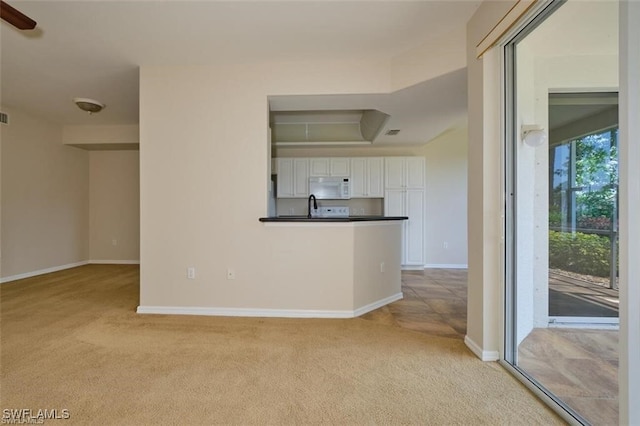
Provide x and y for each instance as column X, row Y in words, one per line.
column 358, row 257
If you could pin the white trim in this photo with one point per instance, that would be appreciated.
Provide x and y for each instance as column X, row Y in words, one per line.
column 114, row 262
column 42, row 271
column 629, row 175
column 243, row 312
column 412, row 267
column 266, row 313
column 375, row 305
column 477, row 350
column 584, row 322
column 446, row 265
column 519, row 9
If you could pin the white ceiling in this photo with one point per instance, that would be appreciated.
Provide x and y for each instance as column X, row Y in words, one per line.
column 578, row 28
column 94, row 48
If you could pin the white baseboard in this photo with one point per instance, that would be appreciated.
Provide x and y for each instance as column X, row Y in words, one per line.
column 412, row 268
column 243, row 312
column 482, row 354
column 42, row 271
column 114, row 262
column 446, row 265
column 266, row 313
column 68, row 266
column 375, row 305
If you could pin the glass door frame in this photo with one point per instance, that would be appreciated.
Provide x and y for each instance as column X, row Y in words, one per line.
column 510, row 140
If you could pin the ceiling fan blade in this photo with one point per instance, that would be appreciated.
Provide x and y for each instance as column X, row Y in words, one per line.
column 15, row 17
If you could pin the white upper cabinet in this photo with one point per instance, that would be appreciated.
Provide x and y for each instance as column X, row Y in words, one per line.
column 340, row 167
column 284, row 167
column 376, row 177
column 293, row 178
column 394, row 177
column 319, row 167
column 300, row 177
column 367, row 177
column 404, row 172
column 358, row 177
column 370, row 176
column 414, row 169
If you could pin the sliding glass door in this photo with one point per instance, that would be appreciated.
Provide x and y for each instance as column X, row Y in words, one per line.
column 561, row 182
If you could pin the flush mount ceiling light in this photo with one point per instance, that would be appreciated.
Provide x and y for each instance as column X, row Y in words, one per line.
column 89, row 105
column 533, row 135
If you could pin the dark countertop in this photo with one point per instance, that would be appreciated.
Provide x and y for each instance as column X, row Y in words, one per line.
column 331, row 219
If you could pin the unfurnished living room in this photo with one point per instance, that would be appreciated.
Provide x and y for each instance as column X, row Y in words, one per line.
column 298, row 212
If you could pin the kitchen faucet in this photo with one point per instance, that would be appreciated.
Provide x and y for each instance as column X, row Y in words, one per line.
column 315, row 205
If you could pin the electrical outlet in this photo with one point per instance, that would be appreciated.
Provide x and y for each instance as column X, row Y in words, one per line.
column 191, row 273
column 231, row 274
column 114, row 242
column 382, row 267
column 445, row 245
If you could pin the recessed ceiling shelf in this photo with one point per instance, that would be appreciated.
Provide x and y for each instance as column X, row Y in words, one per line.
column 313, row 128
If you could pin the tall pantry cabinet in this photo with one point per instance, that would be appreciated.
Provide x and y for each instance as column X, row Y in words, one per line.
column 404, row 195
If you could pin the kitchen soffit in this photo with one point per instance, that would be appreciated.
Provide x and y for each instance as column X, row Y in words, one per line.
column 326, row 127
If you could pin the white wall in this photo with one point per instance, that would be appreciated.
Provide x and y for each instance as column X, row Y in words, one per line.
column 114, row 204
column 485, row 203
column 203, row 177
column 439, row 56
column 45, row 197
column 203, row 171
column 446, row 200
column 63, row 206
column 125, row 136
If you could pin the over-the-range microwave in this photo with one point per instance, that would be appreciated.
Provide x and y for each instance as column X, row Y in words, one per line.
column 330, row 188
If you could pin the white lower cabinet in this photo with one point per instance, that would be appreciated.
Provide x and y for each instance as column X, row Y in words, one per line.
column 410, row 203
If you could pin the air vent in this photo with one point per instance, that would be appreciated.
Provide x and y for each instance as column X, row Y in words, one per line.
column 4, row 118
column 392, row 132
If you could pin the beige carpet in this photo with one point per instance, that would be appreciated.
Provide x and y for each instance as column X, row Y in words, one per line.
column 72, row 340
